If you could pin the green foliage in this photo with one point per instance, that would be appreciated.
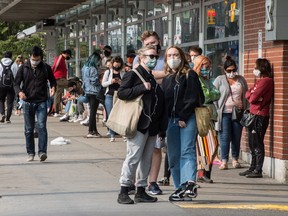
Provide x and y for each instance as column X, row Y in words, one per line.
column 9, row 41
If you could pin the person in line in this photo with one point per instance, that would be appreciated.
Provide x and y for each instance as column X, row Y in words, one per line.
column 18, row 104
column 183, row 93
column 107, row 55
column 91, row 86
column 194, row 51
column 232, row 87
column 207, row 147
column 151, row 123
column 259, row 96
column 60, row 72
column 111, row 81
column 8, row 70
column 34, row 75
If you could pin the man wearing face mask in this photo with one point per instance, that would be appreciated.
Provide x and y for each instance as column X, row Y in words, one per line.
column 194, row 51
column 107, row 52
column 111, row 81
column 34, row 75
column 60, row 72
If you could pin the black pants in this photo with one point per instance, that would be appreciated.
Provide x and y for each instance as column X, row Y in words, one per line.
column 9, row 94
column 94, row 103
column 256, row 136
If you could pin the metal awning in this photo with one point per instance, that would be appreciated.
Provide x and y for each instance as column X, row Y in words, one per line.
column 34, row 10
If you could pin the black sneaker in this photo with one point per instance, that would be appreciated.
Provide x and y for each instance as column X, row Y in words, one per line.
column 245, row 172
column 131, row 190
column 2, row 119
column 124, row 198
column 179, row 195
column 191, row 190
column 144, row 197
column 154, row 189
column 164, row 182
column 43, row 157
column 254, row 174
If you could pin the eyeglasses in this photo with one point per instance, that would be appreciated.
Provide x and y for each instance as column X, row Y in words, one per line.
column 232, row 70
column 152, row 56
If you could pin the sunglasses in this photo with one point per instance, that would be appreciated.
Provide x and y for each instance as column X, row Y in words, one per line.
column 233, row 70
column 152, row 56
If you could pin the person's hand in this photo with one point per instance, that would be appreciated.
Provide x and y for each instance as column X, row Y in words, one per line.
column 22, row 95
column 147, row 85
column 52, row 91
column 182, row 124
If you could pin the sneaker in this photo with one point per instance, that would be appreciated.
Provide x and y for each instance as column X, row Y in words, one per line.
column 132, row 190
column 144, row 197
column 254, row 174
column 30, row 158
column 93, row 135
column 2, row 119
column 204, row 179
column 64, row 118
column 164, row 182
column 43, row 157
column 73, row 119
column 85, row 121
column 191, row 190
column 179, row 195
column 246, row 172
column 56, row 115
column 154, row 189
column 124, row 139
column 79, row 119
column 112, row 139
column 124, row 199
column 8, row 121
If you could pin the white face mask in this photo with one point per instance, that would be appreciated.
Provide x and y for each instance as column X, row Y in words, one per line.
column 174, row 63
column 256, row 72
column 231, row 75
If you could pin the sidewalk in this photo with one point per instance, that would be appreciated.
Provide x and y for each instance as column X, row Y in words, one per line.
column 81, row 178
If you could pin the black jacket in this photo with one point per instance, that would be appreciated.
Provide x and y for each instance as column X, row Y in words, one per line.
column 153, row 101
column 186, row 96
column 34, row 81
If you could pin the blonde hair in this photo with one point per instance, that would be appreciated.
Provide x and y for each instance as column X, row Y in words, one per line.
column 143, row 50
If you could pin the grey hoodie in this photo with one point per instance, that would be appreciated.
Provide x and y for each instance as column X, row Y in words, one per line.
column 6, row 62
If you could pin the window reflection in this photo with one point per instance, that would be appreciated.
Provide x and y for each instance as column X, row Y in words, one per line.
column 159, row 25
column 133, row 34
column 114, row 40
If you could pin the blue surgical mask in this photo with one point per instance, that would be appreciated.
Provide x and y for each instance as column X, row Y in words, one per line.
column 204, row 72
column 191, row 64
column 151, row 63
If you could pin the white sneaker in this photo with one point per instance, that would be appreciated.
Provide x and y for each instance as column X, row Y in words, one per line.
column 79, row 119
column 73, row 119
column 64, row 117
column 112, row 139
column 56, row 115
column 85, row 121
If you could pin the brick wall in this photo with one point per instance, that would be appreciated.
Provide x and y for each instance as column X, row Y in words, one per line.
column 276, row 139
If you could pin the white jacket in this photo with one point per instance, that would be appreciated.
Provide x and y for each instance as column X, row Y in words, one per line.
column 107, row 79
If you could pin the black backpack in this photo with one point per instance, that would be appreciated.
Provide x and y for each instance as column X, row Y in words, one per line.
column 7, row 77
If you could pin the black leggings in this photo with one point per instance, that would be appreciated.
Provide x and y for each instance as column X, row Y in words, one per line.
column 256, row 136
column 94, row 103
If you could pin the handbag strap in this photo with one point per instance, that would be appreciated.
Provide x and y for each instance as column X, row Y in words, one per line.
column 139, row 75
column 229, row 88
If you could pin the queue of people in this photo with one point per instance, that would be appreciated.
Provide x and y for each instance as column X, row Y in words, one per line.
column 176, row 83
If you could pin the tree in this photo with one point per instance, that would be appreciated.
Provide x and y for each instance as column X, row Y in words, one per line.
column 9, row 41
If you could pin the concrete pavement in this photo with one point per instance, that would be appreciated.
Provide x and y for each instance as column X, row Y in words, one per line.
column 81, row 178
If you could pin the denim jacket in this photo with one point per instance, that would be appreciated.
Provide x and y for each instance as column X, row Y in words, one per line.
column 91, row 82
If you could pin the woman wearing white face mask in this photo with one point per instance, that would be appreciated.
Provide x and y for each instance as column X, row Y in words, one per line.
column 232, row 87
column 183, row 93
column 259, row 96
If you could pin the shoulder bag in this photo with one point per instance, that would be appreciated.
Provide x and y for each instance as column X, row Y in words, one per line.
column 125, row 114
column 203, row 118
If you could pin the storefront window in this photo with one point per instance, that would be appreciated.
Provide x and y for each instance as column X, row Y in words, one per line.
column 161, row 27
column 133, row 36
column 222, row 19
column 218, row 52
column 178, row 4
column 156, row 9
column 186, row 26
column 115, row 40
column 84, row 47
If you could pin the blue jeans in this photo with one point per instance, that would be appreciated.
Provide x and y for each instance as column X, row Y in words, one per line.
column 181, row 143
column 40, row 110
column 231, row 133
column 108, row 106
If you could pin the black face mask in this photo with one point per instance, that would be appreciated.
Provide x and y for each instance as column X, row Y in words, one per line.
column 67, row 58
column 116, row 68
column 107, row 53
